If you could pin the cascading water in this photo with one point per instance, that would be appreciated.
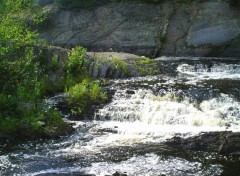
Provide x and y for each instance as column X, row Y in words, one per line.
column 129, row 132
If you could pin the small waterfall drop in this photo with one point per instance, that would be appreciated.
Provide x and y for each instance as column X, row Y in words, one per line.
column 150, row 116
column 191, row 96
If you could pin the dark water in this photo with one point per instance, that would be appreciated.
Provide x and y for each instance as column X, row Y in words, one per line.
column 191, row 96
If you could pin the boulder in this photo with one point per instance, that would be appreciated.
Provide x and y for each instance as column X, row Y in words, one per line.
column 225, row 142
column 120, row 65
column 119, row 174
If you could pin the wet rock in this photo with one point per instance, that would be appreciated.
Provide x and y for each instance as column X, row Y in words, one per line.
column 45, row 2
column 107, row 130
column 57, row 100
column 130, row 91
column 221, row 142
column 231, row 144
column 41, row 123
column 117, row 173
column 60, row 102
column 4, row 138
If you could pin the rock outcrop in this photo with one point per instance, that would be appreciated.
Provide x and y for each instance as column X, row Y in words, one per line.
column 100, row 64
column 225, row 142
column 120, row 65
column 211, row 28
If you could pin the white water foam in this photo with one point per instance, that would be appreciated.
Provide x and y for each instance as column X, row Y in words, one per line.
column 144, row 117
column 146, row 165
column 150, row 164
column 203, row 72
column 6, row 166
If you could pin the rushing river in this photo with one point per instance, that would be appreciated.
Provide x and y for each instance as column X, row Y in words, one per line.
column 127, row 134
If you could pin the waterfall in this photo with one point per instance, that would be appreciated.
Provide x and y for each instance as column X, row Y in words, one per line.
column 128, row 134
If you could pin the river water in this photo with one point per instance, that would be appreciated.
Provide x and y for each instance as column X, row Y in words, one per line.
column 192, row 95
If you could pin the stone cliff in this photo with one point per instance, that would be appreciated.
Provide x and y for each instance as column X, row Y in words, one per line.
column 210, row 28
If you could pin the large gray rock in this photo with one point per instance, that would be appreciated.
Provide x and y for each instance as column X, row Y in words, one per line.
column 211, row 28
column 119, row 27
column 214, row 24
column 98, row 64
column 225, row 142
column 120, row 65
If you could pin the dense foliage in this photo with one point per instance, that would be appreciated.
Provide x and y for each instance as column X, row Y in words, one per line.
column 22, row 83
column 25, row 79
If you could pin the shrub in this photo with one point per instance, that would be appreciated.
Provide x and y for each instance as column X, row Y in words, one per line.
column 120, row 65
column 22, row 84
column 75, row 66
column 54, row 64
column 84, row 94
column 41, row 18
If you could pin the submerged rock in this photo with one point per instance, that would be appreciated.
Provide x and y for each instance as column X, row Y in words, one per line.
column 107, row 130
column 225, row 142
column 119, row 174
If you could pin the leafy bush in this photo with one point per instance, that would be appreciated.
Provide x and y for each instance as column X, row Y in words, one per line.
column 25, row 78
column 41, row 18
column 120, row 65
column 14, row 5
column 76, row 60
column 75, row 66
column 81, row 90
column 32, row 123
column 54, row 65
column 84, row 94
column 22, row 84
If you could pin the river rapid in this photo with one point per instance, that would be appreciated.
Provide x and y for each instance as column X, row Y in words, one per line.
column 192, row 95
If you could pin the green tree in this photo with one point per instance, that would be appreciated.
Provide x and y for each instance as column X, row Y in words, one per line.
column 22, row 84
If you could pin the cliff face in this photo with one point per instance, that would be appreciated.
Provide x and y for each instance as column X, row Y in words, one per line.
column 211, row 28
